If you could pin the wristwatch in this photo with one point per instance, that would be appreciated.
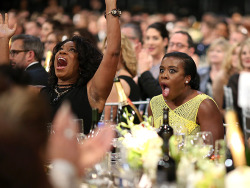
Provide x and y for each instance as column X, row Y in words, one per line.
column 114, row 12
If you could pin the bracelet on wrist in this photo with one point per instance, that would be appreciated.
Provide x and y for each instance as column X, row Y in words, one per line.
column 114, row 12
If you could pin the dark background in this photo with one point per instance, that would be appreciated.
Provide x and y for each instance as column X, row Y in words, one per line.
column 178, row 7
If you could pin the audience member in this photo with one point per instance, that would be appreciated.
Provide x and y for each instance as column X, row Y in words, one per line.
column 10, row 77
column 23, row 118
column 181, row 41
column 229, row 67
column 222, row 29
column 155, row 44
column 133, row 33
column 215, row 56
column 189, row 107
column 49, row 26
column 81, row 75
column 244, row 56
column 237, row 36
column 26, row 51
column 32, row 27
column 207, row 29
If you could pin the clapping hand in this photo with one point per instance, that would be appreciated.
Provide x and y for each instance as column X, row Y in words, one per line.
column 145, row 61
column 5, row 30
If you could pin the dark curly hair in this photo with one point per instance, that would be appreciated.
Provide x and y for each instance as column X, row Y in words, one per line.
column 89, row 58
column 189, row 68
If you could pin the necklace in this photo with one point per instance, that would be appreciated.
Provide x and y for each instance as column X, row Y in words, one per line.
column 61, row 93
column 64, row 85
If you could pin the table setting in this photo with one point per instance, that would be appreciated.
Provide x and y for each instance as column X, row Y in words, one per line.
column 137, row 150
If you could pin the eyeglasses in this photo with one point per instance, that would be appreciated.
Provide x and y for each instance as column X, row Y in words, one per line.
column 13, row 53
column 178, row 45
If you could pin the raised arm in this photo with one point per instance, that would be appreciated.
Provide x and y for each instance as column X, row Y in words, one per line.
column 5, row 34
column 209, row 119
column 100, row 85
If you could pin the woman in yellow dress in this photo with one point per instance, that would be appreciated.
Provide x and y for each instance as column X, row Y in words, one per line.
column 195, row 110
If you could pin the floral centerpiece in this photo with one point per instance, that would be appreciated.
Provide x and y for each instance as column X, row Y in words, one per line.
column 142, row 145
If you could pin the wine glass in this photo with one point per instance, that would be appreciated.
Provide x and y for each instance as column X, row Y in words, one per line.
column 205, row 143
column 80, row 134
column 191, row 148
column 180, row 132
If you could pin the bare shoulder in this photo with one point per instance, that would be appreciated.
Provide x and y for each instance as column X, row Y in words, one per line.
column 207, row 104
column 207, row 110
column 209, row 118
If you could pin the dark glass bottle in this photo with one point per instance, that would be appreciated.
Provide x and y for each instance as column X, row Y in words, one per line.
column 166, row 170
column 125, row 105
column 94, row 123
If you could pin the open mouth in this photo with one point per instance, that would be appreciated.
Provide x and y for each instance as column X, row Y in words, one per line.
column 165, row 90
column 61, row 62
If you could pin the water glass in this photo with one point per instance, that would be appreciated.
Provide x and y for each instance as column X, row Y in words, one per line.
column 205, row 143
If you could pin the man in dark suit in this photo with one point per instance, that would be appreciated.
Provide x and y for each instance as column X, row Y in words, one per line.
column 26, row 51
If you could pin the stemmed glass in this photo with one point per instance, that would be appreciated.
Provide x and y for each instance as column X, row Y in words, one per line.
column 180, row 133
column 80, row 135
column 191, row 148
column 205, row 143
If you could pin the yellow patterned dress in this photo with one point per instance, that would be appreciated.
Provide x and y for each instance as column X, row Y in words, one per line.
column 184, row 114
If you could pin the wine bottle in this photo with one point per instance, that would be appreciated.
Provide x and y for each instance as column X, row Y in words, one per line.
column 94, row 123
column 126, row 107
column 166, row 170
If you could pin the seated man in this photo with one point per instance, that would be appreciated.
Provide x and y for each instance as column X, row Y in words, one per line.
column 26, row 51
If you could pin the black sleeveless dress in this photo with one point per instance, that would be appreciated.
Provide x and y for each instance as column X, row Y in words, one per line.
column 78, row 99
column 134, row 88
